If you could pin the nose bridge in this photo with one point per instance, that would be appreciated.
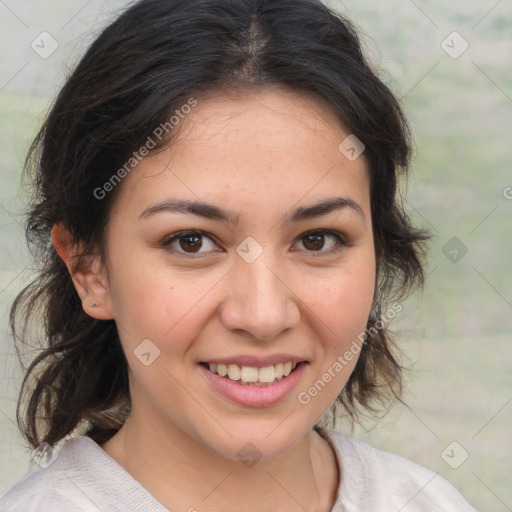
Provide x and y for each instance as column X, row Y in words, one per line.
column 258, row 300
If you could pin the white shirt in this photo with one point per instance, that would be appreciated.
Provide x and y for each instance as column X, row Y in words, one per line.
column 84, row 478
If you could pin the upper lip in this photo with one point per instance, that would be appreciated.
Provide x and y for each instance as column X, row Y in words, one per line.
column 256, row 361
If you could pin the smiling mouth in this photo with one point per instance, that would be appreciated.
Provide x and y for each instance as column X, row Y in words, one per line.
column 251, row 375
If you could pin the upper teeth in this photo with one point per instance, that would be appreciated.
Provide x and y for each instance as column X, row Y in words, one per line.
column 266, row 374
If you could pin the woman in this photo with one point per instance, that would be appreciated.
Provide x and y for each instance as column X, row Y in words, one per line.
column 222, row 247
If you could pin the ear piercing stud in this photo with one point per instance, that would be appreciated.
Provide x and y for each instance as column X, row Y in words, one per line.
column 92, row 304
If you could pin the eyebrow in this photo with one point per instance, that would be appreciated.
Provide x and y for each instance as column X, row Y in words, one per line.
column 213, row 212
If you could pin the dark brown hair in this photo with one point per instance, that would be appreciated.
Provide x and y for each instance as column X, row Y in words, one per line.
column 140, row 69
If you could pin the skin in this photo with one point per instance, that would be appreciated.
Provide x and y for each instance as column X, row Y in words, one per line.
column 262, row 154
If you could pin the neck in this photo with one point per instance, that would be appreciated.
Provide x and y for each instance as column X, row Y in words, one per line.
column 184, row 474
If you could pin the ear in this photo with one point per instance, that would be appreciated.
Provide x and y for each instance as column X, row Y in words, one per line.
column 89, row 277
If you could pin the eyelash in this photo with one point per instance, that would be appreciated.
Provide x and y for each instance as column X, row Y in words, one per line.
column 340, row 242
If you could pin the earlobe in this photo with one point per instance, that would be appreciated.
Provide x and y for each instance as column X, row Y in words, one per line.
column 87, row 272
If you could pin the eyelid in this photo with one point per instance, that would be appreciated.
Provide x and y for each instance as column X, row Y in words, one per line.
column 341, row 242
column 168, row 240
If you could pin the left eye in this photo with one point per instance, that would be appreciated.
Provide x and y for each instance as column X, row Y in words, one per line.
column 191, row 242
column 315, row 241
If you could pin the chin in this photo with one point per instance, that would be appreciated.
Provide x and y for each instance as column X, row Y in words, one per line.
column 256, row 443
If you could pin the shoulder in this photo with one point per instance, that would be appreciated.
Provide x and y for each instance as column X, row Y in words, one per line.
column 81, row 478
column 51, row 488
column 379, row 480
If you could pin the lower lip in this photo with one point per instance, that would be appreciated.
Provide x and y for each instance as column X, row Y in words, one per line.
column 255, row 396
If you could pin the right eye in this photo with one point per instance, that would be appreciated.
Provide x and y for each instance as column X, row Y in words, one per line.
column 186, row 242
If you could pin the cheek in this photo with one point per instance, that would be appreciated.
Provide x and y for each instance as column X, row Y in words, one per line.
column 156, row 302
column 342, row 306
column 343, row 300
column 346, row 300
column 341, row 310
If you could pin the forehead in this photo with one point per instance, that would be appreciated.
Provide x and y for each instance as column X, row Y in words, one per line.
column 274, row 117
column 252, row 148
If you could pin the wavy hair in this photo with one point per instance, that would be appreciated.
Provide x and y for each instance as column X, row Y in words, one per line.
column 137, row 72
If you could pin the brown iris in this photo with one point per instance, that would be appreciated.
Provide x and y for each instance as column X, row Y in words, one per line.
column 190, row 243
column 317, row 241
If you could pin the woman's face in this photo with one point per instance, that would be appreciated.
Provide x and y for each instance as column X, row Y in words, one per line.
column 272, row 278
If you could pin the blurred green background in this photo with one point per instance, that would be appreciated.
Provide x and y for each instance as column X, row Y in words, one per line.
column 455, row 336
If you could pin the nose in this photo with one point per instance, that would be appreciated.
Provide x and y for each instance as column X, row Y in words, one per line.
column 259, row 301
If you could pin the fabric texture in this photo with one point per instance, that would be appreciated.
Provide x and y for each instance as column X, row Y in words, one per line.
column 83, row 478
